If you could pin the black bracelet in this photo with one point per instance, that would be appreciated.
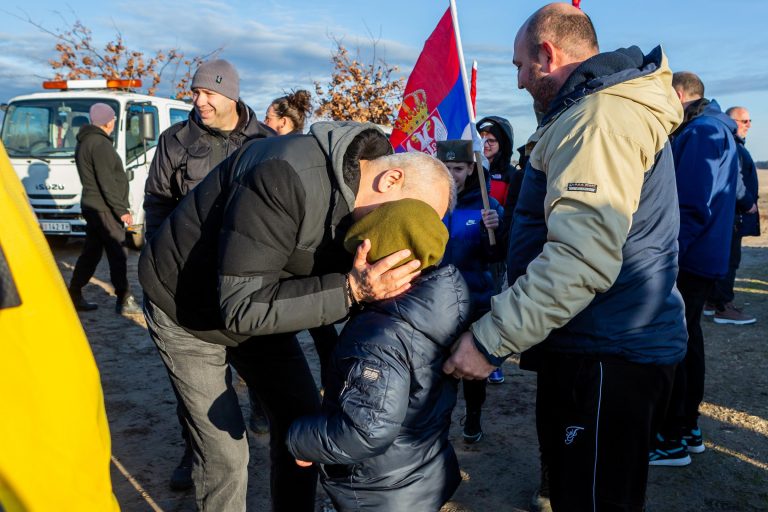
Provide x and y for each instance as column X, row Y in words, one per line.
column 351, row 302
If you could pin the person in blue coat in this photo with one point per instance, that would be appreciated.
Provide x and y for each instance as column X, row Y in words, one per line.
column 470, row 251
column 720, row 304
column 381, row 439
column 706, row 172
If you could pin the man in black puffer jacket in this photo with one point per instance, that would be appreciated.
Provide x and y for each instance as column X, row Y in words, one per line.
column 254, row 254
column 105, row 208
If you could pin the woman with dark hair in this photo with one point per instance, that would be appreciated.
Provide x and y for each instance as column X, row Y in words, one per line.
column 287, row 113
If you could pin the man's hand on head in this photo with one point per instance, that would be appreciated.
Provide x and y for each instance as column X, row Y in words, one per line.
column 466, row 362
column 368, row 283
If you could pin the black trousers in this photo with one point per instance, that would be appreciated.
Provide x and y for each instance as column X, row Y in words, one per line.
column 688, row 390
column 103, row 233
column 474, row 394
column 595, row 418
column 722, row 291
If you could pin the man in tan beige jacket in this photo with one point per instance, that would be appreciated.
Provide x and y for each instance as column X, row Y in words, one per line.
column 592, row 260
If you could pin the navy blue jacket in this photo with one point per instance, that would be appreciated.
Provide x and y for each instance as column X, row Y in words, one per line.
column 382, row 437
column 749, row 224
column 707, row 168
column 468, row 248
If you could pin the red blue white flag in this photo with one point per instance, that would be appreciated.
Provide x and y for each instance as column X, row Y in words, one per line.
column 435, row 102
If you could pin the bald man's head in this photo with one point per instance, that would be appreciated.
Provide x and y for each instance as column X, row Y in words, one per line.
column 548, row 47
column 565, row 26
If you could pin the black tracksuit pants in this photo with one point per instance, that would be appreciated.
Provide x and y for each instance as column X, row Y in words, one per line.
column 595, row 418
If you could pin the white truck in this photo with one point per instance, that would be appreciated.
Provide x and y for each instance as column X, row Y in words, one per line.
column 39, row 133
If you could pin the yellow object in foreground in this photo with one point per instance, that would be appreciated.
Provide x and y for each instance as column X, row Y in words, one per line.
column 54, row 436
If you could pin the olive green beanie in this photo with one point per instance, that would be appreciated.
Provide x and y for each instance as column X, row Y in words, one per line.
column 403, row 224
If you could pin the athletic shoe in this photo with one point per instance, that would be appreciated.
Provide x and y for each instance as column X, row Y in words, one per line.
column 733, row 315
column 693, row 440
column 472, row 432
column 669, row 453
column 496, row 376
column 709, row 309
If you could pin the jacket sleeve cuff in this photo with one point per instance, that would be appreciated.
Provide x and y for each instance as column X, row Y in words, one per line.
column 490, row 349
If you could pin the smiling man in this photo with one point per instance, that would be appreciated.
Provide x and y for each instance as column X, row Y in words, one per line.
column 219, row 125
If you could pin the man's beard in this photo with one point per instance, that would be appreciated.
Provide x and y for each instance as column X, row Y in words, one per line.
column 543, row 89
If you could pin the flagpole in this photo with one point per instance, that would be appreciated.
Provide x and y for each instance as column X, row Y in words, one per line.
column 471, row 111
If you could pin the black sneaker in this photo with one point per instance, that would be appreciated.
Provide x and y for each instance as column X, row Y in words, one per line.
column 80, row 303
column 693, row 440
column 127, row 306
column 181, row 478
column 472, row 432
column 669, row 452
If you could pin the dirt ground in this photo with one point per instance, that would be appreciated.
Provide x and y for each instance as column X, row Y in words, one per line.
column 502, row 470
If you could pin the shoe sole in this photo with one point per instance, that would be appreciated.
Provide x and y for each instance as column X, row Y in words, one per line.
column 708, row 312
column 723, row 321
column 472, row 439
column 496, row 381
column 683, row 461
column 696, row 449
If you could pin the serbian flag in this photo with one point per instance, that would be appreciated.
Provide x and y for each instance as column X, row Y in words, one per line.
column 435, row 103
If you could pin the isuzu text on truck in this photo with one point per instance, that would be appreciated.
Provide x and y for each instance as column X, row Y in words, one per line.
column 40, row 133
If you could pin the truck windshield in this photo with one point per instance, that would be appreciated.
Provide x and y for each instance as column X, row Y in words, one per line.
column 47, row 128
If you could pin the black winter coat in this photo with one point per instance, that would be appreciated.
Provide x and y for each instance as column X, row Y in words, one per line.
column 105, row 184
column 185, row 154
column 382, row 437
column 257, row 247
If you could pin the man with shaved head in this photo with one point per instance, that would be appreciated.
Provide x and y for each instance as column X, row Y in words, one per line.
column 592, row 261
column 720, row 305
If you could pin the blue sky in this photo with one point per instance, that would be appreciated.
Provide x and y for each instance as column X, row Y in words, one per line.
column 287, row 44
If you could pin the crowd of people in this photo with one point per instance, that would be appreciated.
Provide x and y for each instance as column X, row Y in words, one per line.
column 594, row 258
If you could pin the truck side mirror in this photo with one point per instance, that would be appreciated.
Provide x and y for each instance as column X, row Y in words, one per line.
column 147, row 126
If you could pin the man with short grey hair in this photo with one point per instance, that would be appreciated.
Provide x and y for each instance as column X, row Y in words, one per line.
column 720, row 304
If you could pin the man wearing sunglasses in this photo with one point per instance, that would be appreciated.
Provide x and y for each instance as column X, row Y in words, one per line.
column 720, row 304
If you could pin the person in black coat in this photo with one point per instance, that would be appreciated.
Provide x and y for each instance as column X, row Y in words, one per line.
column 105, row 208
column 382, row 437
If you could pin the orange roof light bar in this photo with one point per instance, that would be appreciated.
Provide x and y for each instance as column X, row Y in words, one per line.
column 112, row 83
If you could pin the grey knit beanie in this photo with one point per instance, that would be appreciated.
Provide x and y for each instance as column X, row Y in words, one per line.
column 218, row 76
column 101, row 114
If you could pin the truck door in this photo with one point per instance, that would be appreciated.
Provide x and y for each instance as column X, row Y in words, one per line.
column 142, row 131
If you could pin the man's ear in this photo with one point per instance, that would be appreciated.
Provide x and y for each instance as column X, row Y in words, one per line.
column 548, row 57
column 389, row 180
